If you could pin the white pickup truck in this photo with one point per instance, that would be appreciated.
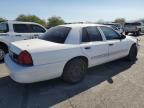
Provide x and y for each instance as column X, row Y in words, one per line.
column 11, row 31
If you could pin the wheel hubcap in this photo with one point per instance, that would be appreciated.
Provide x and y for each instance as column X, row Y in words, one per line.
column 2, row 53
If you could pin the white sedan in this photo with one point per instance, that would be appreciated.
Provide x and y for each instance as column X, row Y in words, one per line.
column 67, row 51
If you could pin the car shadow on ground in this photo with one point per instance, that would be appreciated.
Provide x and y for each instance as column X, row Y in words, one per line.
column 142, row 34
column 131, row 34
column 1, row 62
column 49, row 93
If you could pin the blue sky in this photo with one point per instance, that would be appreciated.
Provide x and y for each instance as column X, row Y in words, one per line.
column 74, row 10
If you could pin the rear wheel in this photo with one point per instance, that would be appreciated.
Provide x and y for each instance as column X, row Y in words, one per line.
column 133, row 53
column 3, row 51
column 137, row 33
column 74, row 71
column 126, row 33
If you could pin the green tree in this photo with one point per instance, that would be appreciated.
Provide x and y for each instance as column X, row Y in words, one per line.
column 54, row 21
column 120, row 20
column 31, row 18
column 2, row 20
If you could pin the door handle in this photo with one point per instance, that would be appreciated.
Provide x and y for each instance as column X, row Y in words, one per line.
column 87, row 48
column 18, row 35
column 36, row 35
column 111, row 44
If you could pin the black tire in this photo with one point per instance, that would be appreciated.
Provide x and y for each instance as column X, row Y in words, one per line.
column 133, row 53
column 135, row 34
column 74, row 71
column 126, row 33
column 138, row 33
column 3, row 52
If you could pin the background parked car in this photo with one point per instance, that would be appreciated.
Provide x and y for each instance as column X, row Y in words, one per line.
column 11, row 31
column 141, row 26
column 134, row 28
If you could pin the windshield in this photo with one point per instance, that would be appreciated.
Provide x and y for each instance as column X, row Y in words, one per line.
column 56, row 34
column 132, row 24
column 4, row 28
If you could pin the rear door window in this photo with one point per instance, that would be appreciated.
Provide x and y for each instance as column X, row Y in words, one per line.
column 21, row 28
column 4, row 28
column 90, row 34
column 85, row 36
column 37, row 28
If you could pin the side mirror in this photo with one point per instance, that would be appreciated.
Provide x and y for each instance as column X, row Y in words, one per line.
column 122, row 36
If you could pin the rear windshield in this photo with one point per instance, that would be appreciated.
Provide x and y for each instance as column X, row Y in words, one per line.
column 56, row 34
column 4, row 28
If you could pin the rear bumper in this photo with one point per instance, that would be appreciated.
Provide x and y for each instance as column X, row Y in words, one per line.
column 33, row 74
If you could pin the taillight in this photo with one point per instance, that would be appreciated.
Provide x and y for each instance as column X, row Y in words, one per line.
column 25, row 58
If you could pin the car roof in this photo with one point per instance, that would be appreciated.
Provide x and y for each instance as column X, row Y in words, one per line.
column 20, row 22
column 80, row 25
column 113, row 23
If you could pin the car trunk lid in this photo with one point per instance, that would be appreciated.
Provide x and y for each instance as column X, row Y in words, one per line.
column 41, row 51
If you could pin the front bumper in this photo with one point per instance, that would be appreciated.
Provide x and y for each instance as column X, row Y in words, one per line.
column 23, row 74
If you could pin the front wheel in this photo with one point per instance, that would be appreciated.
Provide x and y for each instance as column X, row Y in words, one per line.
column 133, row 53
column 3, row 52
column 74, row 71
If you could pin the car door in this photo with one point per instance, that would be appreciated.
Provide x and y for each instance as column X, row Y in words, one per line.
column 36, row 30
column 142, row 27
column 94, row 46
column 21, row 32
column 117, row 47
column 5, row 34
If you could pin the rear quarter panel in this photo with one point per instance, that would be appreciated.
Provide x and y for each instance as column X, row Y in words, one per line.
column 62, row 53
